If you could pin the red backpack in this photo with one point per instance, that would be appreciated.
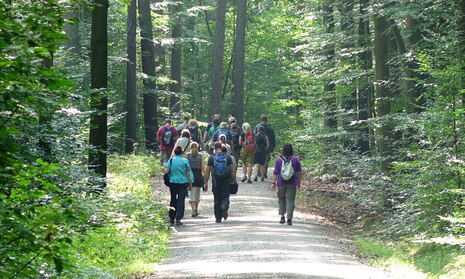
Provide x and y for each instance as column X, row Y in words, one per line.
column 249, row 144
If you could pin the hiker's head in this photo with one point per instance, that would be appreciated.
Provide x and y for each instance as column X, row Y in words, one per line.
column 186, row 134
column 194, row 148
column 246, row 127
column 223, row 125
column 224, row 149
column 168, row 121
column 178, row 150
column 185, row 118
column 216, row 116
column 222, row 138
column 261, row 129
column 263, row 118
column 288, row 150
column 216, row 122
column 234, row 126
column 232, row 119
column 218, row 146
column 193, row 122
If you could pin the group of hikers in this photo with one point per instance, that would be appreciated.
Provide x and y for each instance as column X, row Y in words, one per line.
column 227, row 144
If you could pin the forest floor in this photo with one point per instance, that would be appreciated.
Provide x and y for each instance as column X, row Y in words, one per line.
column 252, row 243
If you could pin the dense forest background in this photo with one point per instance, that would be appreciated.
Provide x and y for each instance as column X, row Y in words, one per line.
column 370, row 92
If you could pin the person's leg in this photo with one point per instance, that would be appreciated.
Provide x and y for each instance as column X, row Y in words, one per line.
column 217, row 204
column 290, row 200
column 181, row 201
column 282, row 200
column 257, row 172
column 173, row 202
column 196, row 191
column 262, row 171
column 267, row 161
column 225, row 199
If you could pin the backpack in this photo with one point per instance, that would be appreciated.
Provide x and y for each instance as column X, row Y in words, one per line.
column 287, row 171
column 221, row 169
column 260, row 143
column 168, row 136
column 194, row 130
column 226, row 133
column 249, row 144
column 235, row 138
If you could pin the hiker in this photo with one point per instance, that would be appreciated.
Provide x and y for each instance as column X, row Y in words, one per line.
column 185, row 142
column 235, row 132
column 184, row 124
column 224, row 131
column 222, row 140
column 247, row 140
column 209, row 125
column 197, row 165
column 180, row 182
column 221, row 168
column 194, row 129
column 210, row 143
column 232, row 120
column 287, row 175
column 167, row 136
column 261, row 145
column 269, row 131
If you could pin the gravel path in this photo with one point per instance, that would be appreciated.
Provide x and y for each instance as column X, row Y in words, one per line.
column 252, row 243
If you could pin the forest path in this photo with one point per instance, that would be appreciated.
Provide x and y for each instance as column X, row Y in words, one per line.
column 252, row 243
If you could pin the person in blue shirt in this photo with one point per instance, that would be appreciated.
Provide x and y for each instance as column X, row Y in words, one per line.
column 181, row 180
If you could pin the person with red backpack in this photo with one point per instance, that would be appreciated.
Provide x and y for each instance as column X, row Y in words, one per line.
column 167, row 136
column 247, row 140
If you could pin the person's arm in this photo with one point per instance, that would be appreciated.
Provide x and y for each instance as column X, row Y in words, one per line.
column 159, row 135
column 232, row 146
column 233, row 173
column 166, row 170
column 299, row 173
column 267, row 142
column 275, row 180
column 240, row 139
column 207, row 177
column 202, row 166
column 188, row 173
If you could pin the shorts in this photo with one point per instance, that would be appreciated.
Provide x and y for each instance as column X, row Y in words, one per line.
column 194, row 195
column 260, row 158
column 165, row 155
column 247, row 157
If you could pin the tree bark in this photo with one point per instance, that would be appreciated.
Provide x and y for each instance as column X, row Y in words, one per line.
column 365, row 92
column 131, row 80
column 218, row 53
column 73, row 44
column 176, row 59
column 382, row 93
column 148, row 68
column 99, row 79
column 239, row 57
column 414, row 91
column 330, row 108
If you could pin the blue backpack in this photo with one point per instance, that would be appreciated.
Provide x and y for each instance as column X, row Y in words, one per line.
column 221, row 168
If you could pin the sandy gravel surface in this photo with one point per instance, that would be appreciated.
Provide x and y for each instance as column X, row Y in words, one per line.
column 252, row 243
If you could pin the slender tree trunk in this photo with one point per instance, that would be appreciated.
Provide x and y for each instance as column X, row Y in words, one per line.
column 148, row 68
column 460, row 6
column 365, row 88
column 218, row 54
column 382, row 93
column 99, row 78
column 45, row 118
column 239, row 57
column 160, row 53
column 131, row 80
column 176, row 59
column 330, row 108
column 414, row 91
column 73, row 44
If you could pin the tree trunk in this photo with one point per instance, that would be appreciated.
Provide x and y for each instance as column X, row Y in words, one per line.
column 160, row 55
column 99, row 78
column 330, row 108
column 176, row 59
column 239, row 56
column 148, row 68
column 73, row 44
column 382, row 93
column 131, row 80
column 218, row 53
column 365, row 91
column 413, row 88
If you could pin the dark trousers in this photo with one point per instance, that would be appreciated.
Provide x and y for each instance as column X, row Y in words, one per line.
column 178, row 198
column 221, row 198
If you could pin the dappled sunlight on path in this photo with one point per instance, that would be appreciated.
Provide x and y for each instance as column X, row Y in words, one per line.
column 252, row 244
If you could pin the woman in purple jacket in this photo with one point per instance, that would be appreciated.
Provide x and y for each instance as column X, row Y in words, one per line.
column 287, row 175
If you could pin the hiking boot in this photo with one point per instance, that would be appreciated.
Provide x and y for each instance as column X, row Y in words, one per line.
column 255, row 179
column 225, row 214
column 178, row 222
column 218, row 221
column 283, row 220
column 249, row 181
column 263, row 179
column 265, row 176
column 244, row 179
column 289, row 222
column 171, row 221
column 195, row 213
